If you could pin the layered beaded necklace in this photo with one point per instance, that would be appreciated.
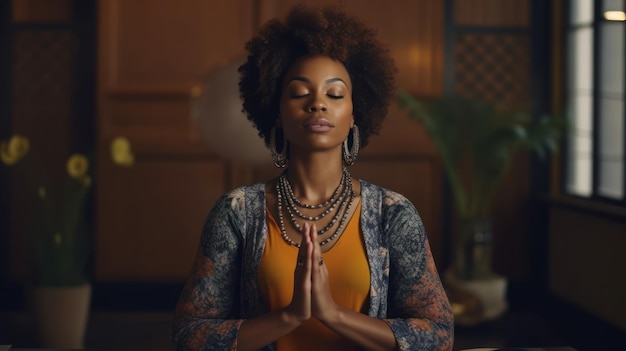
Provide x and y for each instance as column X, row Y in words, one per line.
column 340, row 202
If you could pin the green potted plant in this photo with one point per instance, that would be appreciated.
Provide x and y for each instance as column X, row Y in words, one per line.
column 477, row 143
column 61, row 245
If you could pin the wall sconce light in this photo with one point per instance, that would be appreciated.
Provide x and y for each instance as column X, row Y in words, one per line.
column 615, row 16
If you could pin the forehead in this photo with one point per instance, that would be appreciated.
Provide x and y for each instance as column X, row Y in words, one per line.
column 317, row 68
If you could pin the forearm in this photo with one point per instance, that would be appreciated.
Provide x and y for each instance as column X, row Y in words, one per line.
column 369, row 333
column 260, row 331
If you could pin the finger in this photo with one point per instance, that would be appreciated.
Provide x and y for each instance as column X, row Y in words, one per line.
column 303, row 264
column 316, row 260
column 310, row 247
column 301, row 299
column 311, row 241
column 302, row 250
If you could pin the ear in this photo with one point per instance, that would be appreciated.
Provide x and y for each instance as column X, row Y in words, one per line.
column 351, row 121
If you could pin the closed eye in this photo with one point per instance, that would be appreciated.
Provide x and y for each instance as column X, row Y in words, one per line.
column 335, row 96
column 298, row 96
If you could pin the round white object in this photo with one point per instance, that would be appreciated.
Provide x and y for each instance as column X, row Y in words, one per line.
column 218, row 111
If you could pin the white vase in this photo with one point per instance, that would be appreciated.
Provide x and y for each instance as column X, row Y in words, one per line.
column 62, row 314
column 482, row 299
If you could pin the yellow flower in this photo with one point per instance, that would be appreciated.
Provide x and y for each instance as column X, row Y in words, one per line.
column 19, row 145
column 13, row 150
column 77, row 166
column 6, row 157
column 121, row 152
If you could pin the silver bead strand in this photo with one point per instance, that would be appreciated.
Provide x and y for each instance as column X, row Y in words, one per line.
column 345, row 200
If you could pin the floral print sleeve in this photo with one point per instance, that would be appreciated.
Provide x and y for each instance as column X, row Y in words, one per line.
column 207, row 310
column 418, row 310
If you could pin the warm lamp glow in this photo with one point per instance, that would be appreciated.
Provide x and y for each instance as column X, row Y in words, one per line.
column 615, row 15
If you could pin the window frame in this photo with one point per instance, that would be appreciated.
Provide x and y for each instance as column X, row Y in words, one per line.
column 595, row 197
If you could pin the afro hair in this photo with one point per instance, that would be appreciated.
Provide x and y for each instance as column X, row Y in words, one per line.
column 326, row 31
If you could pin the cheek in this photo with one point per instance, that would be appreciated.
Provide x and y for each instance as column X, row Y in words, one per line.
column 346, row 117
column 346, row 111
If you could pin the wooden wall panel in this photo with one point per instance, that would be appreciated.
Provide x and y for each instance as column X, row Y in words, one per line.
column 160, row 50
column 151, row 215
column 59, row 11
column 159, row 42
column 492, row 13
column 152, row 56
column 150, row 120
column 586, row 261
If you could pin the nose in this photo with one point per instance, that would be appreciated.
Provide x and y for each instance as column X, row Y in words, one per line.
column 317, row 106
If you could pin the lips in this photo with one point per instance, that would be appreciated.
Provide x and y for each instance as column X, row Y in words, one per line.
column 319, row 122
column 319, row 125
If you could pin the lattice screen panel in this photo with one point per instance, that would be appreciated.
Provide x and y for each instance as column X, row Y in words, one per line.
column 42, row 92
column 493, row 67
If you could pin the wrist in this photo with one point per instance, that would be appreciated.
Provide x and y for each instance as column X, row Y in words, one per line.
column 331, row 316
column 290, row 318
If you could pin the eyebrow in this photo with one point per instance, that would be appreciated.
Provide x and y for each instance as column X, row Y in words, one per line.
column 307, row 80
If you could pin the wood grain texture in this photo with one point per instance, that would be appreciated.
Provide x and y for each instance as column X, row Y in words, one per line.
column 152, row 56
column 492, row 13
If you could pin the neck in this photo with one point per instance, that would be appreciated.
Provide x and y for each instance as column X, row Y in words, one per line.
column 314, row 178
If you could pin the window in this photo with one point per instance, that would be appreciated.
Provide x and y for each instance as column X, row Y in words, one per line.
column 595, row 93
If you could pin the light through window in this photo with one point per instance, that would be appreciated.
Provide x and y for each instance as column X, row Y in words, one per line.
column 595, row 95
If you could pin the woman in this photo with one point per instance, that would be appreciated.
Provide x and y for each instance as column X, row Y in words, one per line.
column 314, row 259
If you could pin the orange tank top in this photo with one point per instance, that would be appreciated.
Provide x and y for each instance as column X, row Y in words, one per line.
column 349, row 279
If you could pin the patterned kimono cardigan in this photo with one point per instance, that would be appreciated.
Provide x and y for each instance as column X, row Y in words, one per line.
column 223, row 291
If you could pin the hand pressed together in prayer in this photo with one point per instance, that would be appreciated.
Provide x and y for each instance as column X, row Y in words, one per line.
column 311, row 291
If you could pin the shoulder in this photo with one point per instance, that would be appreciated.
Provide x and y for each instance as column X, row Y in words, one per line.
column 388, row 206
column 235, row 200
column 233, row 210
column 386, row 197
